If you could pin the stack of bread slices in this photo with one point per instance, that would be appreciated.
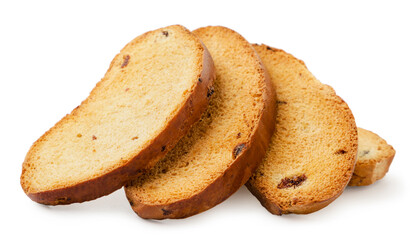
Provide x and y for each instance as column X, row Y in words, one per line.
column 183, row 119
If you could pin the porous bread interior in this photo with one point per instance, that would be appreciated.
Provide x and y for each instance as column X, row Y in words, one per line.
column 372, row 148
column 233, row 113
column 315, row 135
column 145, row 86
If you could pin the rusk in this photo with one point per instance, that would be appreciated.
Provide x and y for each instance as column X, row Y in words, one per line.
column 221, row 152
column 152, row 93
column 313, row 151
column 374, row 157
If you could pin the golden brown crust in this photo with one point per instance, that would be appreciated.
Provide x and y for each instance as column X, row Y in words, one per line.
column 368, row 171
column 189, row 113
column 364, row 175
column 265, row 202
column 298, row 205
column 274, row 208
column 233, row 177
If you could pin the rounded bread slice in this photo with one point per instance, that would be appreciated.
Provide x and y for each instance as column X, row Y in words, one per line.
column 374, row 157
column 221, row 152
column 152, row 93
column 312, row 153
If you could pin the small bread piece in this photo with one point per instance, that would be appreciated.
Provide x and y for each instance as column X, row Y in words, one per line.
column 374, row 157
column 313, row 151
column 221, row 152
column 152, row 93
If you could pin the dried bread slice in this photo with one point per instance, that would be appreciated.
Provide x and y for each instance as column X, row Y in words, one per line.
column 312, row 153
column 374, row 157
column 221, row 152
column 152, row 93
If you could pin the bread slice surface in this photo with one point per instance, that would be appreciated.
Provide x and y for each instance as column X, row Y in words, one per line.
column 313, row 150
column 374, row 157
column 220, row 153
column 152, row 93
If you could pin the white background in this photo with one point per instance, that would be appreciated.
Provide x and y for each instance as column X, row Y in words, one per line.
column 52, row 55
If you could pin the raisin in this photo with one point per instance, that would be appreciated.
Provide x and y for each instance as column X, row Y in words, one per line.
column 165, row 33
column 210, row 92
column 238, row 149
column 126, row 60
column 365, row 152
column 292, row 182
column 341, row 151
column 94, row 137
column 281, row 102
column 166, row 212
column 200, row 79
column 163, row 148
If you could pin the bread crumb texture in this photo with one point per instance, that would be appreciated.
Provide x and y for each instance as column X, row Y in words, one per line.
column 313, row 150
column 144, row 87
column 224, row 131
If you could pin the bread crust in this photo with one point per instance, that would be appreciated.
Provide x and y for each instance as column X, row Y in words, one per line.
column 189, row 113
column 367, row 172
column 233, row 177
column 273, row 206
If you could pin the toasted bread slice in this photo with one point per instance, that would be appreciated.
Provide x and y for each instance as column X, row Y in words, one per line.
column 152, row 93
column 374, row 157
column 221, row 152
column 313, row 150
